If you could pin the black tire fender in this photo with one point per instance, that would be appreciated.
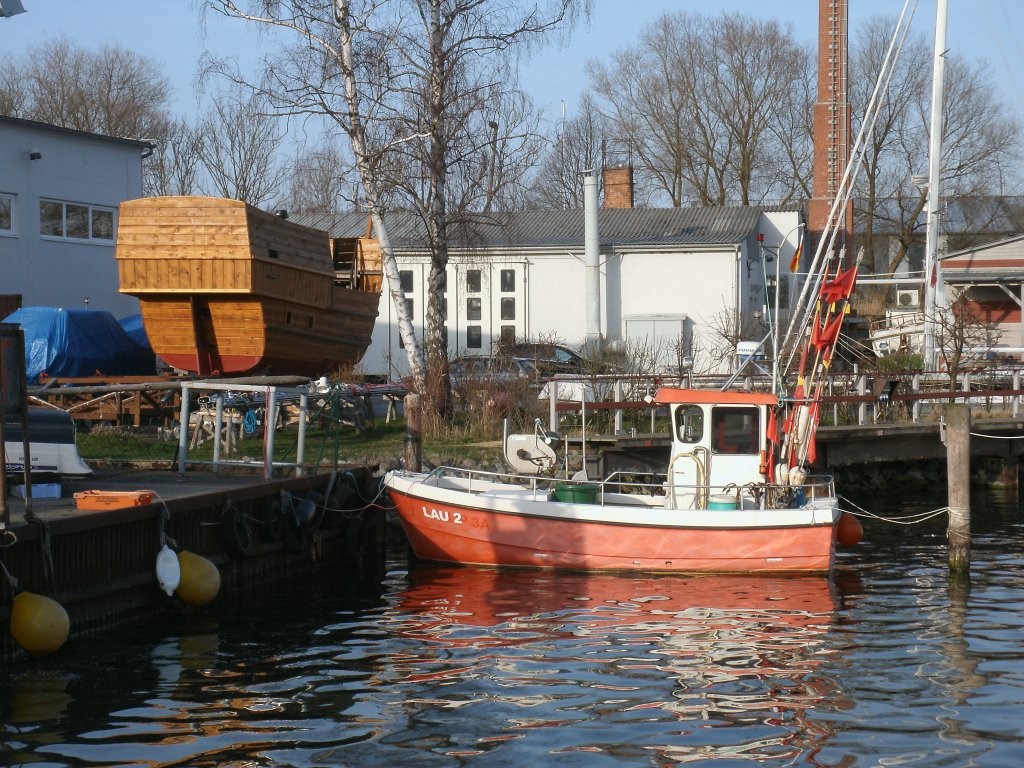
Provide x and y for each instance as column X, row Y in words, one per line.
column 238, row 534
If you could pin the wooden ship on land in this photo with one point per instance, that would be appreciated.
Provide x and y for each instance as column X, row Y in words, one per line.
column 227, row 289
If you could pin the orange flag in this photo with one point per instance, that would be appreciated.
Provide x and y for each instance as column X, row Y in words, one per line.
column 794, row 263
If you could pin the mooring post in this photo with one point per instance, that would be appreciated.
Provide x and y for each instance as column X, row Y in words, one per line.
column 958, row 471
column 413, row 434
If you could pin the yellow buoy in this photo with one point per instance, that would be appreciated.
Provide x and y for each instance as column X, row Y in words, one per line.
column 39, row 624
column 200, row 579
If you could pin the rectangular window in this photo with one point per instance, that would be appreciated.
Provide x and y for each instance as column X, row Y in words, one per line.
column 406, row 280
column 473, row 308
column 75, row 221
column 508, row 334
column 474, row 338
column 735, row 430
column 444, row 282
column 444, row 310
column 51, row 219
column 6, row 214
column 508, row 280
column 473, row 280
column 508, row 309
column 410, row 307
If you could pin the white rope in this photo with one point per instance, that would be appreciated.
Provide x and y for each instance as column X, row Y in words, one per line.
column 997, row 437
column 911, row 519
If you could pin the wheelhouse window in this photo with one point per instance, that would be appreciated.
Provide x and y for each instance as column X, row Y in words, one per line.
column 735, row 430
column 6, row 214
column 690, row 423
column 75, row 221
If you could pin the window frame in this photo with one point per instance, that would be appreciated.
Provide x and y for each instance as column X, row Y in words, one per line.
column 90, row 212
column 12, row 199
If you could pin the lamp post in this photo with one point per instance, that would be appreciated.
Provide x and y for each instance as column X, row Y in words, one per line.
column 773, row 322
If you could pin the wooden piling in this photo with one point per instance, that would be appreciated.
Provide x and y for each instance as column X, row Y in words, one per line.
column 413, row 433
column 958, row 470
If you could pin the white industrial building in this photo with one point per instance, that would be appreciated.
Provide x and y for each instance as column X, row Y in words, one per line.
column 59, row 194
column 668, row 277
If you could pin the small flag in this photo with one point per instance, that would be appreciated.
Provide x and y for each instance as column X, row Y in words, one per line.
column 794, row 263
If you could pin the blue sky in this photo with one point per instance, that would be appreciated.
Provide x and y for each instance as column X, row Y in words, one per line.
column 171, row 32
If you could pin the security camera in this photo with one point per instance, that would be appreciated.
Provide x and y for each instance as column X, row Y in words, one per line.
column 35, row 154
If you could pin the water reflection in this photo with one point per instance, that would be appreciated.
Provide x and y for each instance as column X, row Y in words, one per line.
column 889, row 662
column 608, row 653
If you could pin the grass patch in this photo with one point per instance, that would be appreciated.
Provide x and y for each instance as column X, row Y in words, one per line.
column 383, row 443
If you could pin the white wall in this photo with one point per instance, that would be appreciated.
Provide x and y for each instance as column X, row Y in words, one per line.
column 644, row 292
column 76, row 169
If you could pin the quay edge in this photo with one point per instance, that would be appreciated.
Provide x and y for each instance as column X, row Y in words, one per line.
column 103, row 562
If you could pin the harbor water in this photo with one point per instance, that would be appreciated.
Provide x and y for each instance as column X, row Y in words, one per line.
column 888, row 662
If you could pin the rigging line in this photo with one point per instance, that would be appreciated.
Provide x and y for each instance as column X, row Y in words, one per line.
column 1007, row 26
column 802, row 314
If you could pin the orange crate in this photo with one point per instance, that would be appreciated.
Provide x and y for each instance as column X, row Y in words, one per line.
column 112, row 499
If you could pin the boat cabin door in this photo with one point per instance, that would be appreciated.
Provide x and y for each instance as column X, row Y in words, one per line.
column 714, row 447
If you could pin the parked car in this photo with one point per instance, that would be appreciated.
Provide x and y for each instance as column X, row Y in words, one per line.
column 552, row 359
column 500, row 384
column 498, row 369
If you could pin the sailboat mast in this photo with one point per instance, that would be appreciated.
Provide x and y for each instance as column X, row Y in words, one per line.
column 931, row 258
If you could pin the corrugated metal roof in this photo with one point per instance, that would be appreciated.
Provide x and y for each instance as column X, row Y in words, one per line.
column 620, row 227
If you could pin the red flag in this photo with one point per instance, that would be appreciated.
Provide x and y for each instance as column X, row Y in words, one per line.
column 794, row 263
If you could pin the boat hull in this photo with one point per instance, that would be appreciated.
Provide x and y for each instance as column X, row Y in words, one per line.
column 513, row 529
column 240, row 335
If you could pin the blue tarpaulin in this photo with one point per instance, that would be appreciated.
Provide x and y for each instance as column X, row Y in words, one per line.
column 133, row 327
column 78, row 342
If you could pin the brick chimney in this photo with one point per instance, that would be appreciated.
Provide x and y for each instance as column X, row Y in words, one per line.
column 831, row 125
column 618, row 187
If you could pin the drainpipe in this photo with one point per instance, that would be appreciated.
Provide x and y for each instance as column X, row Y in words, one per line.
column 739, row 291
column 592, row 259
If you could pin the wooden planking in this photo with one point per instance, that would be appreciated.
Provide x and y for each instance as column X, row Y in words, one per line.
column 215, row 228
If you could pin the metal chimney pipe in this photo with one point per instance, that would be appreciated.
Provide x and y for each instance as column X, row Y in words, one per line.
column 592, row 258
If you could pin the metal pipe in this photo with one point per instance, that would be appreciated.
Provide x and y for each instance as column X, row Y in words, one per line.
column 592, row 258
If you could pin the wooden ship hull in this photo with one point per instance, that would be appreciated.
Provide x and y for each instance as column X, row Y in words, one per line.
column 227, row 289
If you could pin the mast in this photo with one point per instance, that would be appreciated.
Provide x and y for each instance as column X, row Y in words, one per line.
column 931, row 255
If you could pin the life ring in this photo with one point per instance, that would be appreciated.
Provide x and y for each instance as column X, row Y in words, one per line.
column 238, row 534
column 272, row 517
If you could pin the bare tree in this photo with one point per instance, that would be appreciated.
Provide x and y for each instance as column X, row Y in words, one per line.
column 112, row 91
column 980, row 137
column 409, row 83
column 237, row 141
column 322, row 180
column 706, row 103
column 962, row 336
column 174, row 167
column 575, row 149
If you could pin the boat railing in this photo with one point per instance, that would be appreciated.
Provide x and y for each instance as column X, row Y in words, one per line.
column 620, row 484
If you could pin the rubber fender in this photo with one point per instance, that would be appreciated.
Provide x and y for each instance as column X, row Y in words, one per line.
column 200, row 579
column 272, row 518
column 38, row 623
column 238, row 534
